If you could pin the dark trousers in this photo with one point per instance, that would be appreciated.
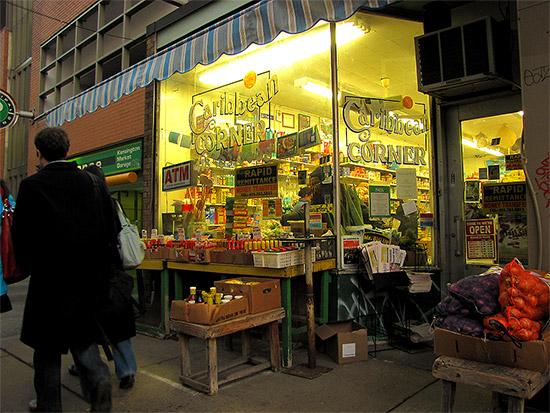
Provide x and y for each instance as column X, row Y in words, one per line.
column 47, row 375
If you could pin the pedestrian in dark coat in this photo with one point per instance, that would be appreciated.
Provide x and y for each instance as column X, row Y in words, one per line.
column 60, row 241
column 119, row 322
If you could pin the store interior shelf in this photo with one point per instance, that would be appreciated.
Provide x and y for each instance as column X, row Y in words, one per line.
column 359, row 179
column 223, row 186
column 284, row 161
column 374, row 168
column 223, row 168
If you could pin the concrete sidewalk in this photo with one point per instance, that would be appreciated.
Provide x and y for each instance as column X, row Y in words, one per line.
column 391, row 380
column 377, row 385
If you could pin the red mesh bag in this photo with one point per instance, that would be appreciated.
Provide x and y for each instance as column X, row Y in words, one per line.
column 523, row 329
column 523, row 294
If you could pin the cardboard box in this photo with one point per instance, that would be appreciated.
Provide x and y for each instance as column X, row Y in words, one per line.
column 261, row 297
column 208, row 314
column 533, row 355
column 345, row 341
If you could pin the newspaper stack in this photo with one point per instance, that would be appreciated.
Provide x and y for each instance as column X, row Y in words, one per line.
column 421, row 282
column 381, row 258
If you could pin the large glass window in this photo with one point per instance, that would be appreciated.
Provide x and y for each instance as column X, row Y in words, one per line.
column 271, row 105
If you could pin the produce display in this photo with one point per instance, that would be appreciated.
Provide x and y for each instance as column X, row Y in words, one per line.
column 461, row 325
column 508, row 303
column 523, row 293
column 479, row 292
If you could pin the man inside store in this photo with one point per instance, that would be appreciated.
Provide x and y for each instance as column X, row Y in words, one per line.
column 320, row 190
column 298, row 212
column 59, row 204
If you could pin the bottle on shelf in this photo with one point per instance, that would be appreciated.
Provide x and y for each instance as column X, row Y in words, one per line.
column 192, row 295
column 200, row 299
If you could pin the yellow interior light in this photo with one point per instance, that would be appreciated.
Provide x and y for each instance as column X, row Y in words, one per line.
column 287, row 50
column 471, row 144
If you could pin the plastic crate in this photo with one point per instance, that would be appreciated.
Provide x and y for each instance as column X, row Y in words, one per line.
column 258, row 258
column 278, row 259
column 299, row 256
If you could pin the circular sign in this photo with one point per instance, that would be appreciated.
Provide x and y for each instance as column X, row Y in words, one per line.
column 8, row 110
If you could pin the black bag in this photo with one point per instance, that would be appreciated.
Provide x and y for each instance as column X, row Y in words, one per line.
column 117, row 296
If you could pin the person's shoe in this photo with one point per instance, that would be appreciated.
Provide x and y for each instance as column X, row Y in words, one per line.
column 127, row 382
column 33, row 406
column 101, row 396
column 73, row 371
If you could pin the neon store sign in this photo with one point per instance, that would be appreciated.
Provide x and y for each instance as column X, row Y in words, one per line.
column 360, row 117
column 210, row 135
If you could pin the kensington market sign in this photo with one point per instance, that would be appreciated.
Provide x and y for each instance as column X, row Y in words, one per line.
column 368, row 118
column 208, row 136
column 117, row 160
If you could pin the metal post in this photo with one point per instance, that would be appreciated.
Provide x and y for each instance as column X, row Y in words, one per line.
column 309, row 295
column 336, row 143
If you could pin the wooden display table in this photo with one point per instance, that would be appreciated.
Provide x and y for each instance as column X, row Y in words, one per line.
column 283, row 274
column 211, row 333
column 505, row 382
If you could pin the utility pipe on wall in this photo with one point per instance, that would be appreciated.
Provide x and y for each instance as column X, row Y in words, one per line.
column 119, row 179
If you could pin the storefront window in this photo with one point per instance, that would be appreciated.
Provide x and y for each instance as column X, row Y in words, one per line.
column 495, row 203
column 271, row 105
column 385, row 139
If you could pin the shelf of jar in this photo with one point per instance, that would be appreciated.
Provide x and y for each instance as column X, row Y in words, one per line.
column 374, row 168
column 223, row 186
column 359, row 179
column 223, row 168
column 284, row 161
column 214, row 204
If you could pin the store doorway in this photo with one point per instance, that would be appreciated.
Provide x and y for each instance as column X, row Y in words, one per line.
column 495, row 190
column 472, row 235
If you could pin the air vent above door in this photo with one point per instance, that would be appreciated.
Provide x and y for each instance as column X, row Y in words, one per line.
column 464, row 60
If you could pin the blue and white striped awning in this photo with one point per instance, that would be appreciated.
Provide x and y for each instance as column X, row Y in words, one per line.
column 259, row 24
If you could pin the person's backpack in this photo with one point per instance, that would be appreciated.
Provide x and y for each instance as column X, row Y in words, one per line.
column 130, row 246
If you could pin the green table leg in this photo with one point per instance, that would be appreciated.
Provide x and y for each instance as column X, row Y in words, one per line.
column 323, row 308
column 165, row 301
column 178, row 285
column 287, row 322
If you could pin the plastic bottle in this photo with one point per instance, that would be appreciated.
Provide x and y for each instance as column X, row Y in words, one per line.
column 192, row 295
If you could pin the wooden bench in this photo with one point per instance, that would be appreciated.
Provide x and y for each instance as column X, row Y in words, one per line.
column 210, row 333
column 505, row 382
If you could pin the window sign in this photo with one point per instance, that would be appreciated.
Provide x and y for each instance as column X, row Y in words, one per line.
column 504, row 198
column 480, row 239
column 406, row 183
column 256, row 182
column 379, row 196
column 177, row 176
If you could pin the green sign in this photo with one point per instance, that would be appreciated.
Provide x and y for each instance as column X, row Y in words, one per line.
column 116, row 160
column 8, row 109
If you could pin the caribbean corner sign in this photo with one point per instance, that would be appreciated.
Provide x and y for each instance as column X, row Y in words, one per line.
column 213, row 136
column 8, row 110
column 361, row 115
column 117, row 160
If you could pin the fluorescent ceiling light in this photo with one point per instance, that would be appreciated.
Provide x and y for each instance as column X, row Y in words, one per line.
column 322, row 91
column 474, row 145
column 296, row 48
